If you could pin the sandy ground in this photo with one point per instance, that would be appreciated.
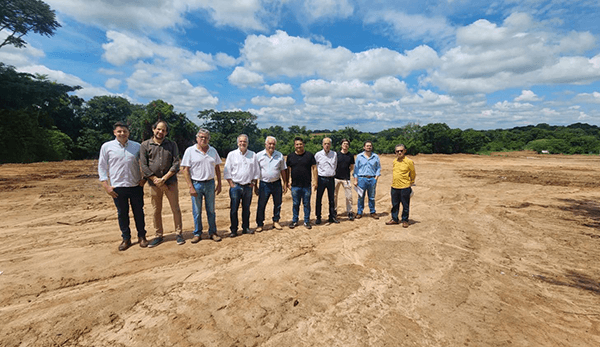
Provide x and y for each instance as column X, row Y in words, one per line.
column 502, row 251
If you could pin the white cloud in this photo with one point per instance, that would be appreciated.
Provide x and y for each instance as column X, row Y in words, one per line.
column 328, row 8
column 413, row 26
column 243, row 77
column 160, row 14
column 124, row 48
column 527, row 96
column 279, row 89
column 284, row 55
column 592, row 98
column 11, row 55
column 273, row 101
column 112, row 83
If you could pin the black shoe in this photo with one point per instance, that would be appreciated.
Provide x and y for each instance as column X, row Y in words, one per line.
column 233, row 234
column 247, row 231
column 180, row 240
column 333, row 220
column 350, row 216
column 293, row 225
column 155, row 242
column 307, row 225
column 318, row 222
column 143, row 242
column 125, row 244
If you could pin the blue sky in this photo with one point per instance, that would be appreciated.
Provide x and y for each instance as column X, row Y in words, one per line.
column 328, row 64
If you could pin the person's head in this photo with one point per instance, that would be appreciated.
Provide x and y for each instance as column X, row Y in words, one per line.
column 368, row 146
column 203, row 137
column 400, row 151
column 345, row 144
column 160, row 129
column 270, row 143
column 242, row 142
column 121, row 131
column 326, row 144
column 299, row 145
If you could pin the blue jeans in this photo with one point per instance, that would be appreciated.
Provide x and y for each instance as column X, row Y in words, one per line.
column 400, row 196
column 204, row 189
column 135, row 197
column 239, row 194
column 329, row 184
column 301, row 194
column 266, row 189
column 369, row 185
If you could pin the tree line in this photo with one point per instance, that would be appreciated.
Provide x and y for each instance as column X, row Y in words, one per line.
column 41, row 120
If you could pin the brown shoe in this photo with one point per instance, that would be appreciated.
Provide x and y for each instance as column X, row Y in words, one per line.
column 196, row 239
column 215, row 237
column 277, row 226
column 259, row 229
column 392, row 222
column 358, row 216
column 125, row 244
column 143, row 242
column 374, row 215
column 405, row 224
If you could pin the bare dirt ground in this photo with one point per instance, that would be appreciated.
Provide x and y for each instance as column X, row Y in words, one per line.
column 502, row 250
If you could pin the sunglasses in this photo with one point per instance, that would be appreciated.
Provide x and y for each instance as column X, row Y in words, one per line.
column 400, row 151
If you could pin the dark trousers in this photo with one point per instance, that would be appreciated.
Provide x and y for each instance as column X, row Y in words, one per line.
column 400, row 196
column 329, row 184
column 135, row 197
column 266, row 189
column 237, row 194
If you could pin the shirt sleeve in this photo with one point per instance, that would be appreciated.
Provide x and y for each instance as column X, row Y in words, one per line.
column 146, row 172
column 176, row 159
column 186, row 158
column 227, row 169
column 378, row 167
column 103, row 164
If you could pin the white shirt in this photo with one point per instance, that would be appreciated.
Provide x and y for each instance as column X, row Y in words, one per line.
column 326, row 163
column 202, row 165
column 120, row 163
column 270, row 167
column 241, row 168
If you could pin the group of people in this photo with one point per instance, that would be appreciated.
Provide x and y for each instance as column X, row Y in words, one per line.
column 125, row 166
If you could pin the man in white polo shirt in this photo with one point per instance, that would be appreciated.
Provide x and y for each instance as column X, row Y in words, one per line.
column 272, row 171
column 326, row 165
column 241, row 172
column 200, row 165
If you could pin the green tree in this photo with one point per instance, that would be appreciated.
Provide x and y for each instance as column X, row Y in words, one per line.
column 19, row 17
column 225, row 127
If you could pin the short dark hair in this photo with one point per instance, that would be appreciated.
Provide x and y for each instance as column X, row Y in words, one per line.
column 344, row 140
column 364, row 144
column 298, row 138
column 158, row 122
column 120, row 124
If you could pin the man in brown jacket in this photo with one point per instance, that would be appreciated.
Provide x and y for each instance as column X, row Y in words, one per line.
column 159, row 159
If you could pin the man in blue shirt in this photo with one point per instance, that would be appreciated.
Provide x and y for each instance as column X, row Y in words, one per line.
column 366, row 172
column 120, row 176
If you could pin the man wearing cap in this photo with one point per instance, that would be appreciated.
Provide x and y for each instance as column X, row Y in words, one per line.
column 200, row 165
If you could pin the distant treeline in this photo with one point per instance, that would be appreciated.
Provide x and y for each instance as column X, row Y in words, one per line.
column 40, row 121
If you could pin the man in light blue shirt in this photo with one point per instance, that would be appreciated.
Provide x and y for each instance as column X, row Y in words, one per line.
column 272, row 170
column 367, row 170
column 120, row 176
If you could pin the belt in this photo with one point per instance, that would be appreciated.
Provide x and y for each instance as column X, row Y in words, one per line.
column 212, row 179
column 242, row 185
column 327, row 177
column 271, row 181
column 367, row 176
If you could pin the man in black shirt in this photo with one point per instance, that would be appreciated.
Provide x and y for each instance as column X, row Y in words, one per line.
column 345, row 164
column 300, row 164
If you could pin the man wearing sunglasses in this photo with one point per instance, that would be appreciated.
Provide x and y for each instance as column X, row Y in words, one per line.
column 403, row 177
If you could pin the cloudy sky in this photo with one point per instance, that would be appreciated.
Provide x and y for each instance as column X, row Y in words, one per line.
column 328, row 64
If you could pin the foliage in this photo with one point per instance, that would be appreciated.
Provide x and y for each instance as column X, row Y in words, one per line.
column 225, row 127
column 19, row 17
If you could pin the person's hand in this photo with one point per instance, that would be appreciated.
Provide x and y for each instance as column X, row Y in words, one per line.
column 218, row 189
column 285, row 189
column 142, row 182
column 111, row 191
column 256, row 190
column 193, row 191
column 314, row 187
column 158, row 181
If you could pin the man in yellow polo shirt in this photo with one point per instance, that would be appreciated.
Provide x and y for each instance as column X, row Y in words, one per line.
column 403, row 177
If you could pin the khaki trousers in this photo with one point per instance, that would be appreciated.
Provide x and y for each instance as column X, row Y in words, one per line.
column 347, row 190
column 156, row 195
